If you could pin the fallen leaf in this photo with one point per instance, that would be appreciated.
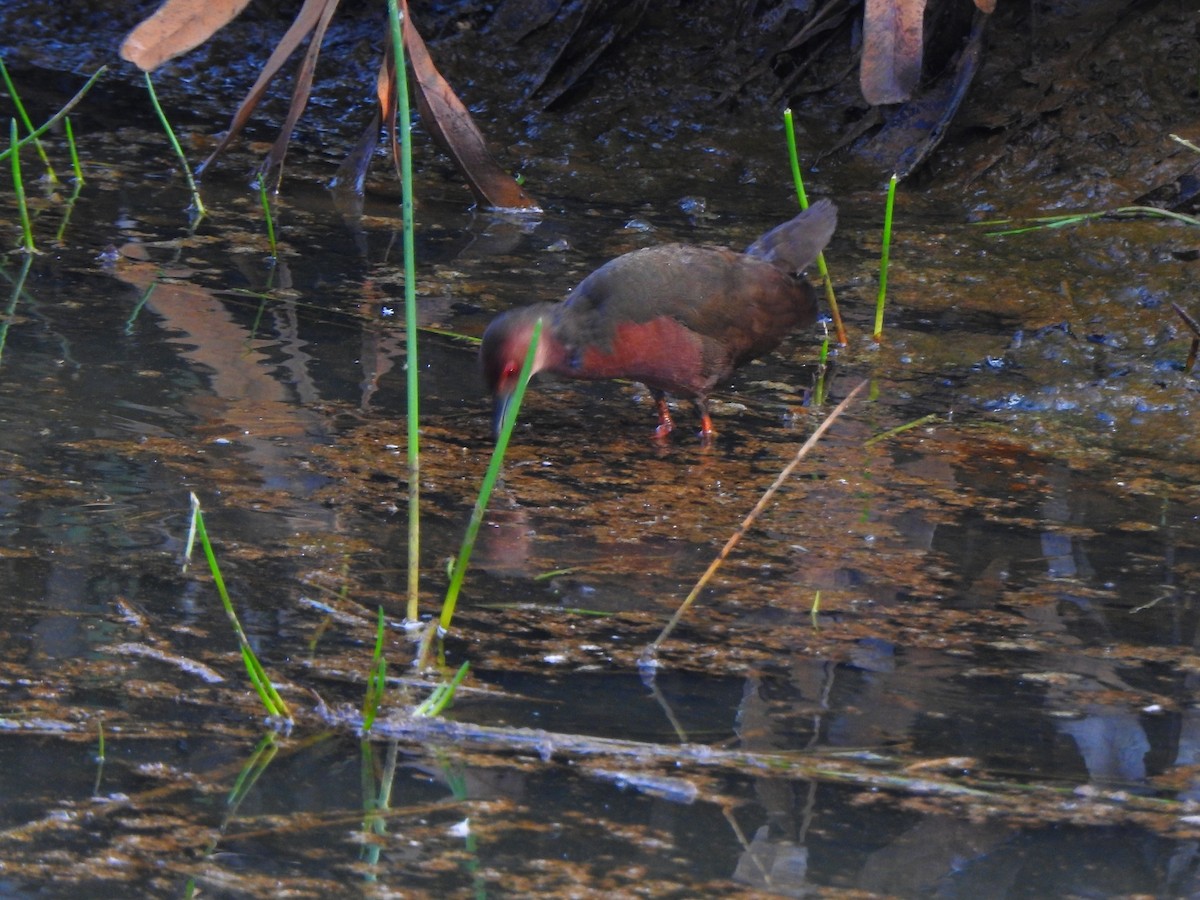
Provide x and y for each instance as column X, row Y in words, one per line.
column 176, row 27
column 313, row 16
column 451, row 125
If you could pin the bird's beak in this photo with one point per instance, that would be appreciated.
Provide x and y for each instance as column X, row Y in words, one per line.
column 501, row 406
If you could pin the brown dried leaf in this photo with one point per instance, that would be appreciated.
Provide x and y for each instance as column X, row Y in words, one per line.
column 892, row 50
column 452, row 127
column 303, row 84
column 176, row 27
column 311, row 15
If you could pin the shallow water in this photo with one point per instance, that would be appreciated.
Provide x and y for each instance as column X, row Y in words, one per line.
column 992, row 698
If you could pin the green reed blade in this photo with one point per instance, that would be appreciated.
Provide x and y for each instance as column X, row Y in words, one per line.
column 198, row 210
column 404, row 124
column 266, row 208
column 443, row 694
column 489, row 481
column 26, row 121
column 1045, row 223
column 100, row 758
column 58, row 116
column 73, row 149
column 900, row 429
column 377, row 678
column 822, row 388
column 77, row 179
column 802, row 196
column 19, row 188
column 274, row 703
column 884, row 257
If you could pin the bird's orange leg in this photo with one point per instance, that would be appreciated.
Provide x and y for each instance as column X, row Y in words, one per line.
column 665, row 423
column 707, row 432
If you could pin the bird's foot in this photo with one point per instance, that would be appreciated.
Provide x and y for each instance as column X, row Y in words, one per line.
column 665, row 423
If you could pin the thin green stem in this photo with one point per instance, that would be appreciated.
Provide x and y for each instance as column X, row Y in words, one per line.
column 377, row 678
column 198, row 210
column 900, row 429
column 19, row 189
column 442, row 695
column 822, row 388
column 274, row 703
column 100, row 757
column 74, row 150
column 802, row 196
column 489, row 482
column 26, row 121
column 266, row 206
column 404, row 124
column 58, row 116
column 1122, row 212
column 78, row 180
column 884, row 258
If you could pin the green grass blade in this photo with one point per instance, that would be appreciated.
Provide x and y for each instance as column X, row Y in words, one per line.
column 802, row 197
column 26, row 121
column 900, row 429
column 884, row 258
column 266, row 207
column 1045, row 223
column 100, row 758
column 77, row 179
column 19, row 188
column 404, row 124
column 274, row 703
column 443, row 694
column 822, row 388
column 76, row 168
column 377, row 678
column 58, row 116
column 489, row 482
column 259, row 679
column 198, row 211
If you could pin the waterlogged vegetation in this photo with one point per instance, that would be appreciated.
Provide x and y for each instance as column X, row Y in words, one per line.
column 950, row 649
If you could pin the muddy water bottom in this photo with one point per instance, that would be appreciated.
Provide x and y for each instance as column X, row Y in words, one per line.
column 954, row 659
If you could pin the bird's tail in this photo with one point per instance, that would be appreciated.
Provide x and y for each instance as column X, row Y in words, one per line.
column 794, row 245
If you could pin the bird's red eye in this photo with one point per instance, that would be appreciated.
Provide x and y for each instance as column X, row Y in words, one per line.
column 510, row 372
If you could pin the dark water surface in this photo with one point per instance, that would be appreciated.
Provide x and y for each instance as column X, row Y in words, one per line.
column 995, row 697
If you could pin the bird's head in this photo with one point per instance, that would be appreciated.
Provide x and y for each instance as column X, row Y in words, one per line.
column 503, row 350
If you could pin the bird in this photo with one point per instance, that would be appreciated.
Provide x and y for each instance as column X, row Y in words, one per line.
column 679, row 318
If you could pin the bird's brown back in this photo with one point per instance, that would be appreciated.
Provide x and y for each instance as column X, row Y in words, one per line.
column 740, row 306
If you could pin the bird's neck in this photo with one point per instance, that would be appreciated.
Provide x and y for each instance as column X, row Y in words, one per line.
column 552, row 353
